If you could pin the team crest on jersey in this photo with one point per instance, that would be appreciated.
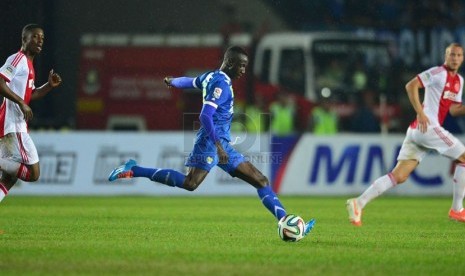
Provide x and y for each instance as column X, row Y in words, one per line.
column 209, row 160
column 427, row 75
column 217, row 92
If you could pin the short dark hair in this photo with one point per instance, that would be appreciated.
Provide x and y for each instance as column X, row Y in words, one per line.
column 235, row 50
column 30, row 27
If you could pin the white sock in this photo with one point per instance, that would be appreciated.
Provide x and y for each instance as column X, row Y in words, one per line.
column 378, row 187
column 10, row 167
column 459, row 187
column 3, row 192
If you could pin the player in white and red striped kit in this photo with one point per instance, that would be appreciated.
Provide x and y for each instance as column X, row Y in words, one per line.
column 18, row 154
column 443, row 93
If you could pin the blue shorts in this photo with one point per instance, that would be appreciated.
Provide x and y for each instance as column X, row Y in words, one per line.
column 204, row 156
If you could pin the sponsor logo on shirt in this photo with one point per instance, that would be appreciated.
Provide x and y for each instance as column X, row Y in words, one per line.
column 217, row 92
column 449, row 95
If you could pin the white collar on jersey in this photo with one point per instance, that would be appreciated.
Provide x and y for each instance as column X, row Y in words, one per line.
column 226, row 75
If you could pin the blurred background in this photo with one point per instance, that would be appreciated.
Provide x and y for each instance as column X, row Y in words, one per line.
column 325, row 78
column 341, row 62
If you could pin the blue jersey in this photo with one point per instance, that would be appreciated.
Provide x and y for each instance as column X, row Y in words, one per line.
column 217, row 91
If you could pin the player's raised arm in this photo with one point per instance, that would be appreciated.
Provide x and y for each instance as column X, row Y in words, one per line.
column 54, row 80
column 180, row 82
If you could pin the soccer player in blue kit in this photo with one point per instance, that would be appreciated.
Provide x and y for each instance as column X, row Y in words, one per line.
column 212, row 146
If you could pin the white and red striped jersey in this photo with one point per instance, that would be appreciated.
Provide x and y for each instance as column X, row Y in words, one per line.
column 441, row 90
column 18, row 72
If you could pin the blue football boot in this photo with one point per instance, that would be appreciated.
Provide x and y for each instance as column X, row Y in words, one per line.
column 123, row 171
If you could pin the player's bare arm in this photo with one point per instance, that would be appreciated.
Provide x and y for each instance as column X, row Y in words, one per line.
column 6, row 92
column 54, row 80
column 179, row 82
column 457, row 110
column 412, row 88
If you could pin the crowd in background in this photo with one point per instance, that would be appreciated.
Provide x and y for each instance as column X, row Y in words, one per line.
column 358, row 15
column 300, row 15
column 344, row 14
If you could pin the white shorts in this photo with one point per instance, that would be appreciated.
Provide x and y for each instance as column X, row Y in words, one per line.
column 18, row 147
column 417, row 144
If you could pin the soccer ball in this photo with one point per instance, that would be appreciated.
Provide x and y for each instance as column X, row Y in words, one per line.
column 291, row 228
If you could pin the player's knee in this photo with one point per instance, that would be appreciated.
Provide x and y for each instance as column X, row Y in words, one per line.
column 263, row 181
column 190, row 184
column 34, row 177
column 33, row 173
column 400, row 178
column 461, row 159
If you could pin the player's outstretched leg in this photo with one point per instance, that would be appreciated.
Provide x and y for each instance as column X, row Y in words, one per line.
column 380, row 185
column 164, row 176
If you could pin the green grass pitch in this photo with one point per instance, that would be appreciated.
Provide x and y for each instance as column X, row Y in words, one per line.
column 225, row 236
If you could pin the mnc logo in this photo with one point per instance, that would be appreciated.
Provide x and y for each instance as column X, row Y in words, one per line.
column 353, row 166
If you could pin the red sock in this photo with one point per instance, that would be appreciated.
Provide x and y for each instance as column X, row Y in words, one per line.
column 3, row 188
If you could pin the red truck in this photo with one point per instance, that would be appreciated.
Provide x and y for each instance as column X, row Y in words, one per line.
column 121, row 76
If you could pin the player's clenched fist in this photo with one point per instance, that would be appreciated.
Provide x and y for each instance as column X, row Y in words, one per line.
column 167, row 81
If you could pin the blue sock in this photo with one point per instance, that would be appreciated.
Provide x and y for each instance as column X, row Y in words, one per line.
column 165, row 176
column 271, row 202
